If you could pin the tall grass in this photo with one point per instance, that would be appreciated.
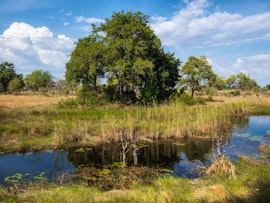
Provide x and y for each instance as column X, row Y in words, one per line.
column 172, row 120
column 52, row 127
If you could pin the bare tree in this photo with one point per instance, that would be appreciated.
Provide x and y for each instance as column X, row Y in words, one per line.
column 135, row 138
column 125, row 146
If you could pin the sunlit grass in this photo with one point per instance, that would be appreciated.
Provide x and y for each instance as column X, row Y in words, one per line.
column 58, row 127
column 251, row 185
column 17, row 101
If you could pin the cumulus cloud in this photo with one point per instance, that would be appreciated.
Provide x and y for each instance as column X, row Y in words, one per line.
column 257, row 66
column 30, row 48
column 80, row 19
column 195, row 26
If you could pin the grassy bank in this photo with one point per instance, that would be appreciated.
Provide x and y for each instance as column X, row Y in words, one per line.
column 48, row 126
column 44, row 126
column 252, row 184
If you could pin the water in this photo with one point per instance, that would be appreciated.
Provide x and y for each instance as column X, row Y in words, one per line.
column 180, row 156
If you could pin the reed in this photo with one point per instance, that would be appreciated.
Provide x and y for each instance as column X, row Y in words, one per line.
column 59, row 127
column 251, row 185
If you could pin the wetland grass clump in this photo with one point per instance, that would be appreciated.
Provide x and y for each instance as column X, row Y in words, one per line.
column 53, row 127
column 222, row 165
column 171, row 121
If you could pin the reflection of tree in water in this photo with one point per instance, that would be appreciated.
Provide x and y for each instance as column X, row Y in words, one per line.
column 161, row 153
column 98, row 156
column 197, row 149
column 240, row 121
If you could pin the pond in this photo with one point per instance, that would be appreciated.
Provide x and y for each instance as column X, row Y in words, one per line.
column 176, row 155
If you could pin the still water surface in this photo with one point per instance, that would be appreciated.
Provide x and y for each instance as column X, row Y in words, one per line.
column 177, row 156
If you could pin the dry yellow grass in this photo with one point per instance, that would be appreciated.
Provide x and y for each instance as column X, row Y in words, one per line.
column 249, row 99
column 17, row 101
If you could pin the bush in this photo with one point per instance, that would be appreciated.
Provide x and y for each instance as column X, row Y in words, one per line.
column 234, row 93
column 188, row 99
column 89, row 97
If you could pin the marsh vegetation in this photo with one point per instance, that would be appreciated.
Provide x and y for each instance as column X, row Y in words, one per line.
column 50, row 127
column 122, row 91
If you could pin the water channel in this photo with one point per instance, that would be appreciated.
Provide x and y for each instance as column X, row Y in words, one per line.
column 175, row 155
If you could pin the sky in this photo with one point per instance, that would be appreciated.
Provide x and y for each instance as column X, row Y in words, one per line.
column 233, row 34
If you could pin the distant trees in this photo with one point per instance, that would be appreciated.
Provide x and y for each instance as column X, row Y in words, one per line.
column 37, row 79
column 241, row 82
column 16, row 84
column 197, row 73
column 8, row 75
column 127, row 53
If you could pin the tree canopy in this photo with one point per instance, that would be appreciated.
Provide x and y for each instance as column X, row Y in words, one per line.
column 7, row 74
column 37, row 79
column 126, row 52
column 197, row 73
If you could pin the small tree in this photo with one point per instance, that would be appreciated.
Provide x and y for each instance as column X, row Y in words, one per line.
column 7, row 73
column 241, row 82
column 37, row 79
column 196, row 73
column 15, row 85
column 244, row 82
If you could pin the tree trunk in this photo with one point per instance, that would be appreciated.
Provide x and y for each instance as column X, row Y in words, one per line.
column 135, row 155
column 135, row 146
column 124, row 142
column 120, row 89
column 124, row 156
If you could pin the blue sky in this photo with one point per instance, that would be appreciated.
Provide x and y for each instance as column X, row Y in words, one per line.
column 233, row 34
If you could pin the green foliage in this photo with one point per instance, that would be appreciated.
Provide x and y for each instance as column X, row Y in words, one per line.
column 7, row 74
column 87, row 96
column 244, row 82
column 15, row 85
column 86, row 63
column 125, row 51
column 241, row 82
column 188, row 99
column 196, row 73
column 235, row 93
column 37, row 79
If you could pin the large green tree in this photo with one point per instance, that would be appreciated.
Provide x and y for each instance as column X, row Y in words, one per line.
column 7, row 74
column 196, row 73
column 126, row 51
column 86, row 62
column 37, row 79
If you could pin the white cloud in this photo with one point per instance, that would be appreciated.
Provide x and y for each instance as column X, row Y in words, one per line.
column 30, row 48
column 87, row 22
column 94, row 20
column 194, row 26
column 81, row 19
column 257, row 66
column 68, row 13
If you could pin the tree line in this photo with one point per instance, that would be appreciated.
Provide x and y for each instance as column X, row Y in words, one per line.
column 126, row 55
column 12, row 82
column 123, row 60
